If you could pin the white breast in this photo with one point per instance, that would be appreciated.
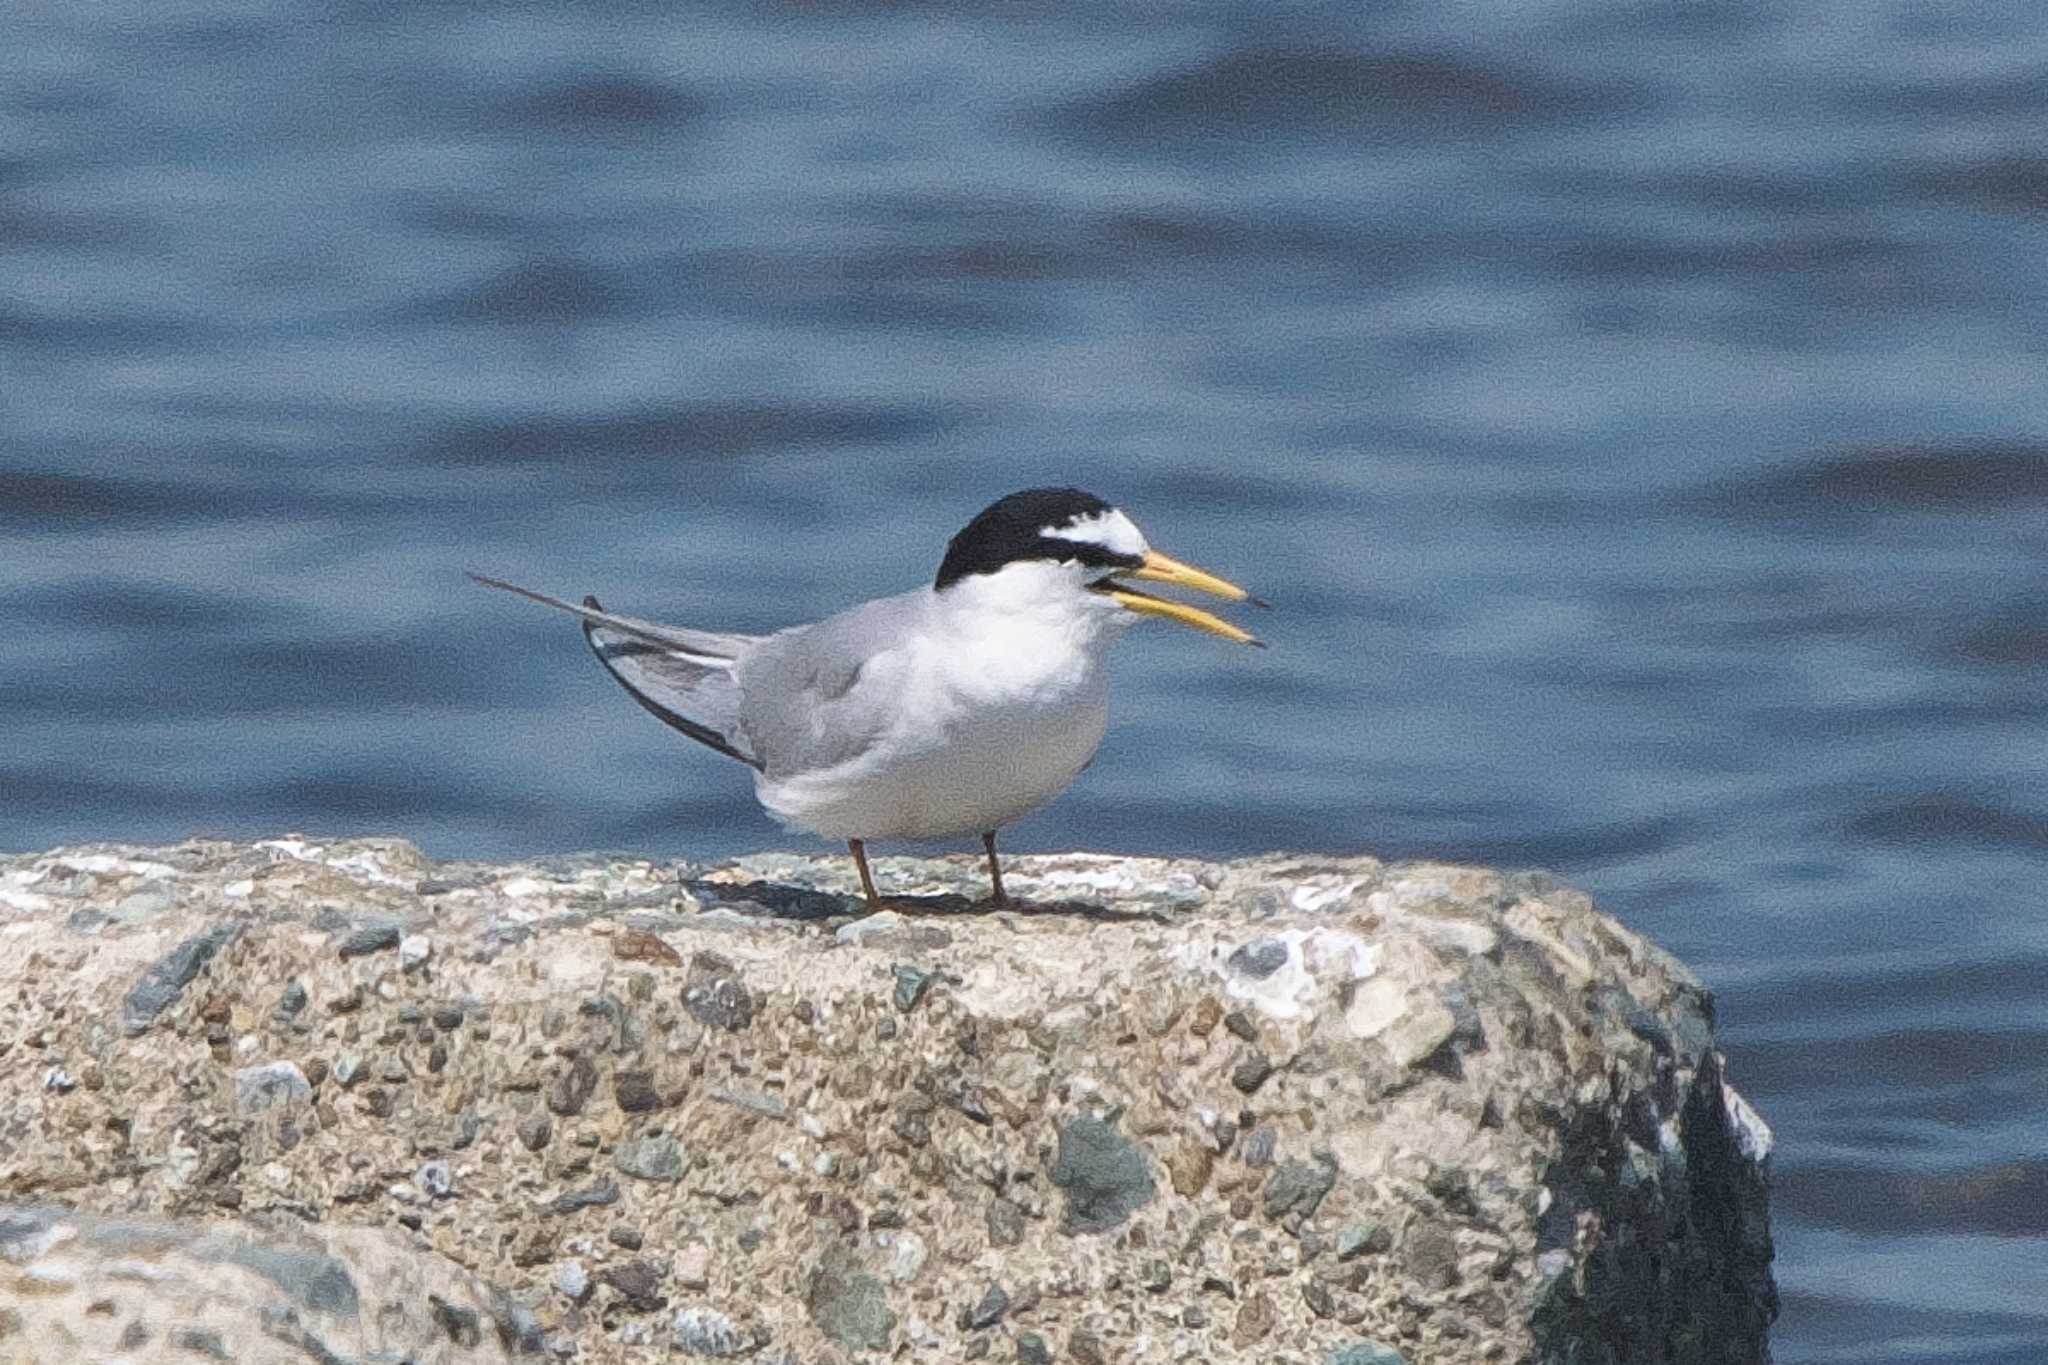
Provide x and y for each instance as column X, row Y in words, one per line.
column 997, row 713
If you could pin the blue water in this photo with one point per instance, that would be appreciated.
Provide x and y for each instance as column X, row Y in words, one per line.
column 1636, row 411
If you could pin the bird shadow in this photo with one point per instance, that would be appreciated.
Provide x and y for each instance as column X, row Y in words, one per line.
column 804, row 904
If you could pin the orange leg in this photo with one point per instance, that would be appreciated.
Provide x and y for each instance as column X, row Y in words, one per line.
column 867, row 883
column 995, row 869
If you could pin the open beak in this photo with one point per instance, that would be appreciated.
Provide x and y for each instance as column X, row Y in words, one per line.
column 1159, row 568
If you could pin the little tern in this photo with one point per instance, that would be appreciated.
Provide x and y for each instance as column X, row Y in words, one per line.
column 951, row 709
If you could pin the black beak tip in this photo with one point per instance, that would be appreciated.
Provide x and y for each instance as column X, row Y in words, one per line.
column 1260, row 602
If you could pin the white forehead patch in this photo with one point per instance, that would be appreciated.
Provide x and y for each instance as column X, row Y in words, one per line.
column 1110, row 529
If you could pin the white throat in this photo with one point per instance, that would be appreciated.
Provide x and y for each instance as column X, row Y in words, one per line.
column 1033, row 604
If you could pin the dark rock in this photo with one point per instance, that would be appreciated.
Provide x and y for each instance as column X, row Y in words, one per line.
column 463, row 1326
column 374, row 937
column 846, row 1303
column 200, row 1341
column 534, row 1131
column 1104, row 1175
column 1432, row 1255
column 1358, row 1239
column 658, row 1158
column 1468, row 1030
column 987, row 1311
column 637, row 1282
column 603, row 1193
column 163, row 982
column 1032, row 1350
column 1251, row 1072
column 1714, row 1248
column 1254, row 1320
column 1005, row 1224
column 635, row 1092
column 1297, row 1188
column 537, row 1248
column 435, row 1180
column 292, row 1001
column 836, row 1209
column 1453, row 1189
column 715, row 996
column 1259, row 1147
column 624, row 1032
column 969, row 1105
column 518, row 1329
column 572, row 1088
column 911, row 985
column 1240, row 1024
column 1259, row 959
column 625, row 1235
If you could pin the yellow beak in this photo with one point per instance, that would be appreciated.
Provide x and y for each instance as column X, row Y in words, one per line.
column 1159, row 568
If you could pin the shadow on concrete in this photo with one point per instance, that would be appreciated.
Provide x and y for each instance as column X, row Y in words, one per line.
column 777, row 900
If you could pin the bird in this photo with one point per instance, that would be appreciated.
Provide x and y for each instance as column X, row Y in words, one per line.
column 949, row 710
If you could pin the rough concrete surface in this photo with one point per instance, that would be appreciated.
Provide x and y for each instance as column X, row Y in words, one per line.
column 1307, row 1110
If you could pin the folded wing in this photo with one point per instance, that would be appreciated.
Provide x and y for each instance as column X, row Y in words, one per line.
column 824, row 695
column 684, row 677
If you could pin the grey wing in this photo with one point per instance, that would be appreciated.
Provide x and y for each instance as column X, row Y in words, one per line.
column 684, row 677
column 821, row 695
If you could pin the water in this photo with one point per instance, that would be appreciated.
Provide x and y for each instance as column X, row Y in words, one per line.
column 1635, row 411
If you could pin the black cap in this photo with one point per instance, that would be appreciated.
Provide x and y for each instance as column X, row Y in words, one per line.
column 1011, row 530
